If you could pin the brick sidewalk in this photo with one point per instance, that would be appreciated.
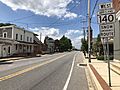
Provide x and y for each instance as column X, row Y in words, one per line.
column 100, row 71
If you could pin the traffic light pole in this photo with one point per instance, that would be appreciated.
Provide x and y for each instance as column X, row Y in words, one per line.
column 89, row 37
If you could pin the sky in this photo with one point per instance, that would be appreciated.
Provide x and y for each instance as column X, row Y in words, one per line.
column 53, row 18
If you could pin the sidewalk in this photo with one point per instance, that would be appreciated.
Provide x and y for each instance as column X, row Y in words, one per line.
column 100, row 71
column 10, row 59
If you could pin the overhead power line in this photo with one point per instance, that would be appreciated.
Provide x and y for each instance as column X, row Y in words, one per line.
column 32, row 15
column 64, row 15
column 94, row 8
column 21, row 18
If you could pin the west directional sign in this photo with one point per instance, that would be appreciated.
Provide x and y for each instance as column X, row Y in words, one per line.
column 106, row 18
column 105, row 6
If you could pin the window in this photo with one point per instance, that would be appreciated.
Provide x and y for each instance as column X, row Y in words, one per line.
column 30, row 39
column 27, row 38
column 20, row 46
column 30, row 48
column 21, row 37
column 16, row 36
column 9, row 49
column 4, row 34
column 27, row 47
column 16, row 47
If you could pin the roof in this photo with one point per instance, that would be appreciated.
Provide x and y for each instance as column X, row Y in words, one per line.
column 18, row 28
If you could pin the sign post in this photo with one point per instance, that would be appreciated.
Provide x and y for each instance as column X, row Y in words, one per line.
column 106, row 18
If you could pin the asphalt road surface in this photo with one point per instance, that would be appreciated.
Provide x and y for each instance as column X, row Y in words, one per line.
column 49, row 72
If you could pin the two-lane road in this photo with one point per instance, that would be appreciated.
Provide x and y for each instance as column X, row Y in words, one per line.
column 51, row 72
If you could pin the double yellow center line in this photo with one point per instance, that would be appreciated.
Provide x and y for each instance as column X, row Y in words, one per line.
column 28, row 69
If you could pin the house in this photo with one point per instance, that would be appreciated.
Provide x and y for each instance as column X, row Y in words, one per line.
column 17, row 41
column 50, row 43
column 116, row 6
column 37, row 45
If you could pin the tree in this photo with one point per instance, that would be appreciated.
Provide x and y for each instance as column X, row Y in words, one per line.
column 65, row 44
column 84, row 46
column 5, row 24
column 70, row 44
column 98, row 47
column 57, row 45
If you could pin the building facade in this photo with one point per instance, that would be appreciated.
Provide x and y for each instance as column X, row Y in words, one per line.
column 50, row 43
column 16, row 41
column 116, row 6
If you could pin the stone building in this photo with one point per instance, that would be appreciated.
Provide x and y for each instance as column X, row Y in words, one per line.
column 116, row 6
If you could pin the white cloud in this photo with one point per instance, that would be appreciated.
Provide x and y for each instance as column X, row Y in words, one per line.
column 70, row 15
column 70, row 33
column 74, row 35
column 42, row 7
column 46, row 31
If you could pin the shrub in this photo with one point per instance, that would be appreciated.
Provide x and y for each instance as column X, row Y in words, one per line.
column 102, row 57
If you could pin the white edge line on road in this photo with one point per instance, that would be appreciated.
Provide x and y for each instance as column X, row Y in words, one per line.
column 70, row 74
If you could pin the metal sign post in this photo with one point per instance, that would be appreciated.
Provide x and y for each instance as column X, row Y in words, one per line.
column 108, row 59
column 104, row 47
column 106, row 19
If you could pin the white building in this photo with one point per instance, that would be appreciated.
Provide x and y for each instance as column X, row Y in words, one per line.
column 15, row 40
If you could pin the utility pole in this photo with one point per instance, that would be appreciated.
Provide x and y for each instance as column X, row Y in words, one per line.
column 89, row 36
column 40, row 36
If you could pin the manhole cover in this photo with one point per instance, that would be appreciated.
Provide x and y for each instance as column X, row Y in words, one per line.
column 82, row 64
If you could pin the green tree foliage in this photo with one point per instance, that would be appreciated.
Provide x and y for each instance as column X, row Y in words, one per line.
column 57, row 45
column 5, row 24
column 98, row 47
column 65, row 44
column 84, row 46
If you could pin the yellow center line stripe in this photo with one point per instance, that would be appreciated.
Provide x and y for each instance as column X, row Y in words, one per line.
column 28, row 69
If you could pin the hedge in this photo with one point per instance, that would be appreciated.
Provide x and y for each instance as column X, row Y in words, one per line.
column 102, row 57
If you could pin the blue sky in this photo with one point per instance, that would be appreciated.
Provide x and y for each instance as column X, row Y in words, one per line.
column 54, row 18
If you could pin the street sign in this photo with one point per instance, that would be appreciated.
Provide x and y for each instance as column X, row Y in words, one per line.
column 105, row 6
column 106, row 11
column 107, row 34
column 106, row 18
column 105, row 27
column 107, row 30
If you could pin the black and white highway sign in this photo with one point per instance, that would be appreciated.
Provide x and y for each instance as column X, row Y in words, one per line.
column 105, row 6
column 106, row 11
column 107, row 34
column 106, row 18
column 107, row 30
column 106, row 27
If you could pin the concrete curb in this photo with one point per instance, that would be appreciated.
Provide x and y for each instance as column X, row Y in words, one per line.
column 99, row 81
column 94, row 80
column 11, row 59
